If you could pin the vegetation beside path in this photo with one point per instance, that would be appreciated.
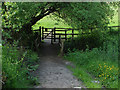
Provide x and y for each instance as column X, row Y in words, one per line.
column 18, row 64
column 97, row 67
column 19, row 21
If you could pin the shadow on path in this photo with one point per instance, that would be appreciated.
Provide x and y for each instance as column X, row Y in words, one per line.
column 48, row 49
column 52, row 72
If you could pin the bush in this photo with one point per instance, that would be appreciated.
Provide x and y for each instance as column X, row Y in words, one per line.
column 93, row 40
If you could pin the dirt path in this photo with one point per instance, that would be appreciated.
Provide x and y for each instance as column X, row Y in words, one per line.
column 52, row 71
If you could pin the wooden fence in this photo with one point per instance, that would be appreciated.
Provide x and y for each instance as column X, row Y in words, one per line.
column 61, row 33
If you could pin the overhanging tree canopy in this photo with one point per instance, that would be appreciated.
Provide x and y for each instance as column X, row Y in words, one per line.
column 84, row 14
column 23, row 15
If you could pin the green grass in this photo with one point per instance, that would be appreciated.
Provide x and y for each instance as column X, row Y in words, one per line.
column 102, row 64
column 114, row 21
column 85, row 77
column 49, row 22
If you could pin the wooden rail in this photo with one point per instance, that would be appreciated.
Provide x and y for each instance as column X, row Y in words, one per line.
column 53, row 33
column 61, row 33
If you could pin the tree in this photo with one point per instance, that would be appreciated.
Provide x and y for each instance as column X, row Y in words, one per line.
column 86, row 15
column 22, row 16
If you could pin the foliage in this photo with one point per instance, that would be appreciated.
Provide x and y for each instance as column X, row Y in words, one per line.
column 14, row 68
column 16, row 16
column 88, row 15
column 93, row 40
column 101, row 64
column 50, row 20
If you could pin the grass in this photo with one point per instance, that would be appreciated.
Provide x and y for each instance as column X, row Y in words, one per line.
column 102, row 64
column 114, row 21
column 49, row 22
column 82, row 75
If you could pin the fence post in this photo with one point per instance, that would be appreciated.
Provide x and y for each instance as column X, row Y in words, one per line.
column 42, row 33
column 54, row 34
column 59, row 38
column 65, row 34
column 72, row 33
column 52, row 37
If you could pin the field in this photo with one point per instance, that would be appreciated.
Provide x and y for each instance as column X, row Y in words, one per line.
column 49, row 22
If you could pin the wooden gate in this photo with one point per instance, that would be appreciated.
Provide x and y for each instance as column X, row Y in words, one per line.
column 57, row 34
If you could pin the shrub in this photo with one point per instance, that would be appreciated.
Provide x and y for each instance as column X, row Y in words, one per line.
column 93, row 40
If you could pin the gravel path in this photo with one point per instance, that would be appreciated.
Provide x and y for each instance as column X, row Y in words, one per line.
column 52, row 71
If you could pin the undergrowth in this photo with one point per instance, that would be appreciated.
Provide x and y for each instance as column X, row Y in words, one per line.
column 16, row 67
column 101, row 63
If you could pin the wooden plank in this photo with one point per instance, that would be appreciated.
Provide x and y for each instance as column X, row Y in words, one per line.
column 54, row 34
column 68, row 28
column 64, row 30
column 40, row 33
column 72, row 33
column 46, row 33
column 36, row 30
column 57, row 38
column 51, row 37
column 65, row 34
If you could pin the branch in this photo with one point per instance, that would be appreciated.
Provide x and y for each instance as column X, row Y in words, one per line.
column 45, row 13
